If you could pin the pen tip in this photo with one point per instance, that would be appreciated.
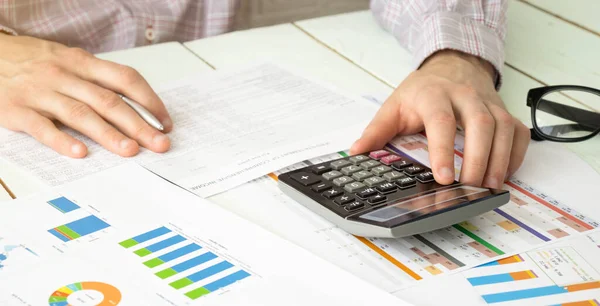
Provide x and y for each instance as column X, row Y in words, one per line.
column 161, row 128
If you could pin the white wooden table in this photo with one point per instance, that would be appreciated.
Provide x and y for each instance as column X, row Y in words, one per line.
column 353, row 53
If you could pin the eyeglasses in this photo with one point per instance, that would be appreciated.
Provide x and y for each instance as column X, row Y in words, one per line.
column 564, row 113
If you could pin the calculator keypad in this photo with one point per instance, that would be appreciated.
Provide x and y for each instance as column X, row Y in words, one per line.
column 359, row 183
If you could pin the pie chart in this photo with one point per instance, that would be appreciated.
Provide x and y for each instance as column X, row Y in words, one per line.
column 86, row 293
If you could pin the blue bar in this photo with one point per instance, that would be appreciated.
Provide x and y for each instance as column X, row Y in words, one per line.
column 73, row 287
column 198, row 260
column 151, row 234
column 227, row 280
column 180, row 252
column 63, row 204
column 59, row 303
column 523, row 294
column 222, row 266
column 490, row 279
column 87, row 225
column 489, row 264
column 58, row 235
column 165, row 243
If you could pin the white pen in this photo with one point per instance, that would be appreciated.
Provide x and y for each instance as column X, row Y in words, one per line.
column 144, row 113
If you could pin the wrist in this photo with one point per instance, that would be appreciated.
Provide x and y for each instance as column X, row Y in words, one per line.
column 456, row 59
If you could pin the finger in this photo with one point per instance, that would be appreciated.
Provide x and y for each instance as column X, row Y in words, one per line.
column 501, row 147
column 382, row 129
column 114, row 110
column 440, row 126
column 45, row 132
column 519, row 147
column 479, row 127
column 121, row 79
column 82, row 118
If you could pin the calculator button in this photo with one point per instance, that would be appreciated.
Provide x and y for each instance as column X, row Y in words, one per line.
column 412, row 170
column 400, row 165
column 362, row 175
column 351, row 170
column 341, row 181
column 380, row 170
column 390, row 159
column 354, row 206
column 393, row 176
column 339, row 164
column 406, row 182
column 377, row 199
column 367, row 193
column 305, row 178
column 378, row 154
column 332, row 175
column 373, row 181
column 370, row 164
column 320, row 169
column 425, row 177
column 332, row 193
column 321, row 187
column 343, row 200
column 358, row 159
column 354, row 187
column 386, row 187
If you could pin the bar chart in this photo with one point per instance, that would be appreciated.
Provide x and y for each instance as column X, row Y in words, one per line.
column 568, row 274
column 182, row 263
column 78, row 228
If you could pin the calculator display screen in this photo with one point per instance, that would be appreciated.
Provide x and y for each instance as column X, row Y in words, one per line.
column 432, row 203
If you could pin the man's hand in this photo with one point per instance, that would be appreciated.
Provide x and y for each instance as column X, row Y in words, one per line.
column 42, row 81
column 450, row 89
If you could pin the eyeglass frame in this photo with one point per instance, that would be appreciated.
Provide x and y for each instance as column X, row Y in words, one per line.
column 534, row 97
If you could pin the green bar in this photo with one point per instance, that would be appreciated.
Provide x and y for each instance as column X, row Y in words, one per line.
column 194, row 294
column 128, row 243
column 343, row 154
column 142, row 252
column 53, row 299
column 69, row 232
column 166, row 273
column 178, row 284
column 155, row 262
column 478, row 239
column 78, row 286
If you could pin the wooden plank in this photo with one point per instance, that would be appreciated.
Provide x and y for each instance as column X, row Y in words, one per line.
column 158, row 64
column 287, row 46
column 549, row 49
column 583, row 13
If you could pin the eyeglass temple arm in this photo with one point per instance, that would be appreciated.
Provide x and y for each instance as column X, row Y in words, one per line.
column 588, row 119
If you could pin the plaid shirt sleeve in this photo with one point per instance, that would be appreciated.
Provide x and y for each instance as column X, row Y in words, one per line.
column 476, row 27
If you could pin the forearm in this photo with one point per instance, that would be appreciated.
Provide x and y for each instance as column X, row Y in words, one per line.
column 427, row 26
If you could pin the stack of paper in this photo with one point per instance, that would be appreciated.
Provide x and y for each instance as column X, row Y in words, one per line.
column 127, row 237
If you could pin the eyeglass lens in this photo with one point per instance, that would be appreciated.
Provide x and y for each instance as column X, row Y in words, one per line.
column 568, row 114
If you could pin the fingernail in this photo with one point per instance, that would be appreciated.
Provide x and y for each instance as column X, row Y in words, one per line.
column 167, row 123
column 160, row 138
column 77, row 149
column 491, row 182
column 126, row 143
column 447, row 173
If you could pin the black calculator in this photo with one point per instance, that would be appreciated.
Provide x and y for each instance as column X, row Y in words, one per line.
column 385, row 194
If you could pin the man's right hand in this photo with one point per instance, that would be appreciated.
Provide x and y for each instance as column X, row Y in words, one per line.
column 42, row 82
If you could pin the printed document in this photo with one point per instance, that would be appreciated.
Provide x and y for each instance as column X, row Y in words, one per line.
column 230, row 127
column 126, row 237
